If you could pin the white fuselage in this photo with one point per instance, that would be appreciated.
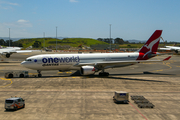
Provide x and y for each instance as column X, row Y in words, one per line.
column 69, row 61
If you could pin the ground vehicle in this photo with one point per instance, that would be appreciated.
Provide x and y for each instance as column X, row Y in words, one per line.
column 20, row 74
column 121, row 96
column 14, row 103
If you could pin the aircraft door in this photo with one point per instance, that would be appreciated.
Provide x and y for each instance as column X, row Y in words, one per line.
column 108, row 58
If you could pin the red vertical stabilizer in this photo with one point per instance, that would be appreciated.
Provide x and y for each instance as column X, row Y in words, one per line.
column 151, row 46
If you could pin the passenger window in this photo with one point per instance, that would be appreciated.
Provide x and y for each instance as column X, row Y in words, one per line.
column 19, row 100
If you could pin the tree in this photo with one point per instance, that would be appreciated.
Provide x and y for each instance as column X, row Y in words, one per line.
column 7, row 43
column 2, row 42
column 118, row 41
column 100, row 39
column 107, row 40
column 36, row 44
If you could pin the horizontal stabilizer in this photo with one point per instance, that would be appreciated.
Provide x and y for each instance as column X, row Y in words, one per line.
column 167, row 58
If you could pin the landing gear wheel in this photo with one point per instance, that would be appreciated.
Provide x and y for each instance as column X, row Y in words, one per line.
column 176, row 51
column 39, row 75
column 103, row 74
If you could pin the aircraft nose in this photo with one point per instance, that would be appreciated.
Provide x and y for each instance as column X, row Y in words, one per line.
column 23, row 63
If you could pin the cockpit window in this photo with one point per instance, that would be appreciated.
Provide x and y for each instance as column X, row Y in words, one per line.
column 28, row 60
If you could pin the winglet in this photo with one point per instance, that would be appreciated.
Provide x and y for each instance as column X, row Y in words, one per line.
column 167, row 58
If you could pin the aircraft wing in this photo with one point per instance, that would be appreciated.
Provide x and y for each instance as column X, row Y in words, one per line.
column 170, row 48
column 165, row 49
column 6, row 53
column 24, row 51
column 121, row 63
column 14, row 51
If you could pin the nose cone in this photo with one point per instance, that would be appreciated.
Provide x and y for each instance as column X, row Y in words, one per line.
column 29, row 64
column 24, row 63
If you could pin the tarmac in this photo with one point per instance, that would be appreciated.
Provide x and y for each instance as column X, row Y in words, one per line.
column 67, row 95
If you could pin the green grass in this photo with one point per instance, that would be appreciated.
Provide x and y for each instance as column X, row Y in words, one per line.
column 75, row 42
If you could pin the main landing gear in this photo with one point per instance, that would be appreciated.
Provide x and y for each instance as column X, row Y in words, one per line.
column 102, row 73
column 39, row 73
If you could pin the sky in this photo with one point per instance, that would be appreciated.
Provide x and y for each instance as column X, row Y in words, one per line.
column 129, row 19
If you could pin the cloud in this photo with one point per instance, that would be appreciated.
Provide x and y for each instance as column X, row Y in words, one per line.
column 7, row 5
column 15, row 4
column 73, row 1
column 19, row 23
column 22, row 21
column 19, row 28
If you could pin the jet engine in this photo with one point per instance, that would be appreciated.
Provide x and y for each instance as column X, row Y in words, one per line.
column 5, row 55
column 87, row 70
column 176, row 51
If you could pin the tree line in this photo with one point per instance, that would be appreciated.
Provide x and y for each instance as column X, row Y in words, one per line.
column 7, row 42
column 113, row 41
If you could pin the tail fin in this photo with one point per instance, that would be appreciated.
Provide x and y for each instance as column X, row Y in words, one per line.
column 150, row 47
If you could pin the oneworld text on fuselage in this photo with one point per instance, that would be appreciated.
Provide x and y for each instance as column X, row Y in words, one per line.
column 61, row 59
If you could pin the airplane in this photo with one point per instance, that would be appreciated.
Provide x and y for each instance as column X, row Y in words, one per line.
column 172, row 48
column 6, row 52
column 88, row 64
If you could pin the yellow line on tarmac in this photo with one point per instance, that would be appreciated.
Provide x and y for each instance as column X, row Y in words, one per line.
column 7, row 84
column 167, row 64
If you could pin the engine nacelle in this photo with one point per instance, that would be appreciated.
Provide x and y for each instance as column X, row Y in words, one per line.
column 176, row 51
column 5, row 55
column 87, row 70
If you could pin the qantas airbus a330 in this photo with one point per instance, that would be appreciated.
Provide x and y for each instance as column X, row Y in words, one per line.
column 90, row 63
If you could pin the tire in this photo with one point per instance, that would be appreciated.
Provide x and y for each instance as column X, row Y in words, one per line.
column 23, row 106
column 21, row 75
column 39, row 75
column 10, row 76
column 15, row 108
column 104, row 74
column 100, row 74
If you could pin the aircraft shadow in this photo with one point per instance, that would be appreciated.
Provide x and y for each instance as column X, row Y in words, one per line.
column 142, row 74
column 135, row 79
column 112, row 76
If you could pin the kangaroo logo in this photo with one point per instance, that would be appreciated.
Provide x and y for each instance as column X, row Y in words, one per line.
column 149, row 47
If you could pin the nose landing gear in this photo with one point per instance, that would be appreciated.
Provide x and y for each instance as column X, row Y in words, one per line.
column 39, row 73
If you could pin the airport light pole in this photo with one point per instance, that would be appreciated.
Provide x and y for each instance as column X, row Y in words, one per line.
column 56, row 38
column 110, row 36
column 44, row 40
column 9, row 37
